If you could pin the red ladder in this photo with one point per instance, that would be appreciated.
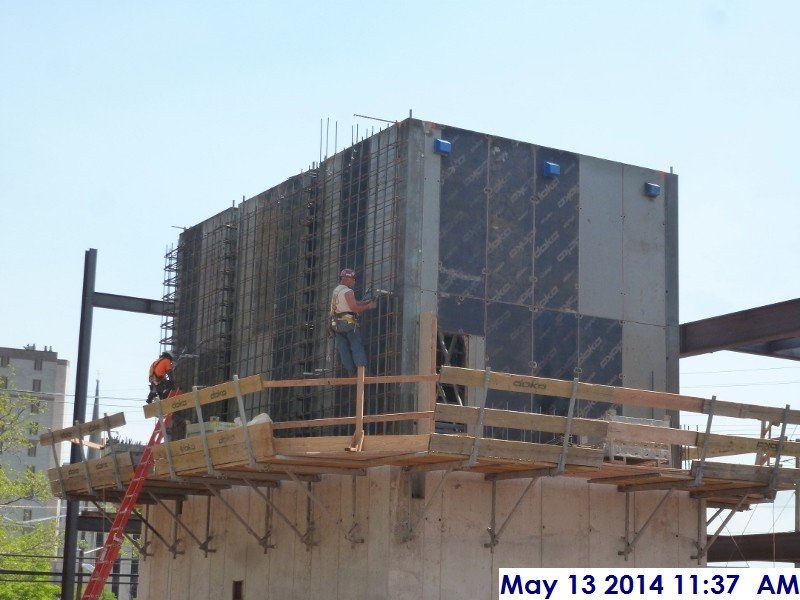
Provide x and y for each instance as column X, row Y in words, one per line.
column 108, row 555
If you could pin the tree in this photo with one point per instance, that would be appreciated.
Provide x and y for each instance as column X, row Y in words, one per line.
column 24, row 546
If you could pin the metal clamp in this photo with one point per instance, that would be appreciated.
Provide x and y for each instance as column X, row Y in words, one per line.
column 89, row 486
column 473, row 455
column 562, row 461
column 162, row 423
column 245, row 430
column 198, row 409
column 698, row 477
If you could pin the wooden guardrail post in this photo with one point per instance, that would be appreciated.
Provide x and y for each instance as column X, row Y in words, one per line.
column 358, row 437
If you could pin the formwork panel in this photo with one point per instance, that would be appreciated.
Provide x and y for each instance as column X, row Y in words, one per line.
column 643, row 363
column 599, row 359
column 555, row 256
column 643, row 248
column 462, row 223
column 458, row 314
column 508, row 350
column 509, row 269
column 555, row 352
column 600, row 291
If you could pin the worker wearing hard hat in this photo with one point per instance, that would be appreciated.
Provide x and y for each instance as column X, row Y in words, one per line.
column 160, row 376
column 344, row 321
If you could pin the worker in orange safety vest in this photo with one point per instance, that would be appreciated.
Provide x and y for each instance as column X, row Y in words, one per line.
column 160, row 376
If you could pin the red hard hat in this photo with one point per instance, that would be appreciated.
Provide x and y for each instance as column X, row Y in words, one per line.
column 347, row 273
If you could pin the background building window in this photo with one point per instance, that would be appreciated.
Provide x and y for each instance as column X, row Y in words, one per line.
column 3, row 382
column 37, row 364
column 4, row 360
column 27, row 514
column 32, row 449
column 37, row 385
column 31, row 469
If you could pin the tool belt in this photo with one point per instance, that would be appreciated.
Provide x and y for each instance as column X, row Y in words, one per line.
column 344, row 322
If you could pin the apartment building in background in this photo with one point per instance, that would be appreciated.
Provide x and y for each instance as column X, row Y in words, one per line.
column 42, row 374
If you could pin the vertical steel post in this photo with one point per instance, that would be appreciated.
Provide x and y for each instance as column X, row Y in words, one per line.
column 79, row 414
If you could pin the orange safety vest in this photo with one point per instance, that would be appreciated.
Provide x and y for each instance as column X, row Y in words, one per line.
column 160, row 367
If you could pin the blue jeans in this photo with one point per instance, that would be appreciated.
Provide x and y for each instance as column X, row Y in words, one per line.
column 351, row 349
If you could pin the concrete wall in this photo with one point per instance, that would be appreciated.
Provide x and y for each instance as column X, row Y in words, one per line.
column 561, row 522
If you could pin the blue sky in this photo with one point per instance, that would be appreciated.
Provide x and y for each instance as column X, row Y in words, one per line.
column 119, row 122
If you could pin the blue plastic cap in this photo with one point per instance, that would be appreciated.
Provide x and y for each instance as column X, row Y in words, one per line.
column 652, row 190
column 551, row 169
column 441, row 147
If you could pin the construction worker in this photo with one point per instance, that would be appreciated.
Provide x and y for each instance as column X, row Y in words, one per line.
column 344, row 321
column 160, row 376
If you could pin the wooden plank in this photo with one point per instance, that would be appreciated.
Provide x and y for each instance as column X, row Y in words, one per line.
column 226, row 448
column 335, row 445
column 614, row 395
column 101, row 471
column 555, row 424
column 750, row 473
column 426, row 391
column 372, row 380
column 254, row 383
column 383, row 418
column 513, row 451
column 96, row 426
column 718, row 445
column 729, row 445
column 209, row 395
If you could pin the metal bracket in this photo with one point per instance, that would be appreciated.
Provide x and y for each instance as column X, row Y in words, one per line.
column 562, row 461
column 773, row 478
column 89, row 486
column 494, row 534
column 162, row 423
column 473, row 455
column 243, row 417
column 271, row 505
column 630, row 545
column 199, row 410
column 115, row 460
column 155, row 532
column 698, row 477
column 141, row 548
column 702, row 551
column 349, row 535
column 412, row 524
column 263, row 541
column 204, row 546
